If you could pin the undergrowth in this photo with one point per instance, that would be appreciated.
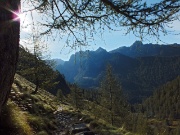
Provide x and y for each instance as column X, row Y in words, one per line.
column 14, row 121
column 26, row 113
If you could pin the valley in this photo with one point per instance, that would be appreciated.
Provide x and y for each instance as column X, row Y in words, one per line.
column 108, row 93
column 139, row 68
column 89, row 67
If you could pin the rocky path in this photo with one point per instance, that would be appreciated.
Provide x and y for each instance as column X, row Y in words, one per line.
column 65, row 120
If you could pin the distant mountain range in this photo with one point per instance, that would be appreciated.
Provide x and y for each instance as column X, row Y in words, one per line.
column 140, row 68
column 138, row 49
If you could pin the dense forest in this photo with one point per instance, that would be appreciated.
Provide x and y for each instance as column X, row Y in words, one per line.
column 158, row 114
column 165, row 102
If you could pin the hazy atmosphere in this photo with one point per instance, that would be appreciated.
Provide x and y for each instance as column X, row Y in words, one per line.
column 89, row 67
column 108, row 39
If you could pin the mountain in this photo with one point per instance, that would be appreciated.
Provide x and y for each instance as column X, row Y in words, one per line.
column 58, row 61
column 138, row 49
column 80, row 65
column 139, row 76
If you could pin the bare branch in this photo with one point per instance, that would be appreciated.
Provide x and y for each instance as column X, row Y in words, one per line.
column 78, row 17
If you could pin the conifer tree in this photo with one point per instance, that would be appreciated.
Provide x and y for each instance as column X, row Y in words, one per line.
column 36, row 70
column 60, row 95
column 112, row 97
column 76, row 97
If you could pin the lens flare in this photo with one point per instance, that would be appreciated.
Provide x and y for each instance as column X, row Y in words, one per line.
column 16, row 15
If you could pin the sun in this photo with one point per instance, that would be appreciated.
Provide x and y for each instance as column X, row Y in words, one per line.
column 21, row 16
column 16, row 15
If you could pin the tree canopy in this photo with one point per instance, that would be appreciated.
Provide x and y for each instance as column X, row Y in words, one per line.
column 82, row 19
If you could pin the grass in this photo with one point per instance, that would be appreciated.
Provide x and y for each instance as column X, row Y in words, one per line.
column 15, row 120
column 39, row 110
column 32, row 114
column 41, row 124
column 91, row 116
column 28, row 114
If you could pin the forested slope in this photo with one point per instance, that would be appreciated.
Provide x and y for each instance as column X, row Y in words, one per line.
column 33, row 68
column 138, row 76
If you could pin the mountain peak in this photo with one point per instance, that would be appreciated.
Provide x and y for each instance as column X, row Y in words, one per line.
column 137, row 43
column 100, row 49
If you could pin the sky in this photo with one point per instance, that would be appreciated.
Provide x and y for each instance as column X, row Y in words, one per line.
column 109, row 41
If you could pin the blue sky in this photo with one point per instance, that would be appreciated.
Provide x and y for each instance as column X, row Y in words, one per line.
column 109, row 40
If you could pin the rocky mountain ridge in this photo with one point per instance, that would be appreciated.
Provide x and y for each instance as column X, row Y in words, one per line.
column 139, row 70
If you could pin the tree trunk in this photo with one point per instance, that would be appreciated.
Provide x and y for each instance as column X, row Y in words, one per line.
column 37, row 85
column 9, row 46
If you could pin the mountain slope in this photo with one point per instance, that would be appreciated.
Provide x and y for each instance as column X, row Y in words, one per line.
column 47, row 77
column 58, row 61
column 87, row 71
column 43, row 114
column 28, row 114
column 165, row 102
column 138, row 76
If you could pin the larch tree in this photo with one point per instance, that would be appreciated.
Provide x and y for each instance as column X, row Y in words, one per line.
column 76, row 96
column 35, row 69
column 42, row 74
column 111, row 96
column 80, row 20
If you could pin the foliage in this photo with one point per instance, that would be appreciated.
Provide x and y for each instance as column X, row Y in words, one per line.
column 76, row 97
column 147, row 118
column 29, row 114
column 75, row 15
column 12, row 123
column 59, row 95
column 165, row 103
column 42, row 74
column 139, row 76
column 87, row 17
column 112, row 98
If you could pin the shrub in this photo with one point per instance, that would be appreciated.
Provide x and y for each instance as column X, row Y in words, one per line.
column 94, row 124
